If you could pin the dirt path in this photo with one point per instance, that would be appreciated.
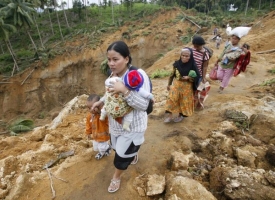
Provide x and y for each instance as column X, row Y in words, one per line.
column 89, row 178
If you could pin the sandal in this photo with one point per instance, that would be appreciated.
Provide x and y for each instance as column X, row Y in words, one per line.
column 98, row 156
column 114, row 185
column 108, row 151
column 135, row 160
column 178, row 119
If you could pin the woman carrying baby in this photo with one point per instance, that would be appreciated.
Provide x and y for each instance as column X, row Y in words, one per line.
column 126, row 143
column 227, row 61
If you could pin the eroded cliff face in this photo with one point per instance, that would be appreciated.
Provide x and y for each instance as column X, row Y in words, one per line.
column 47, row 89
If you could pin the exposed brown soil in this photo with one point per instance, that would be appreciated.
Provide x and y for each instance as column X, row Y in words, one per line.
column 48, row 90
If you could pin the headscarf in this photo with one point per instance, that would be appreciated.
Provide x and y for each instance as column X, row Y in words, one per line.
column 184, row 68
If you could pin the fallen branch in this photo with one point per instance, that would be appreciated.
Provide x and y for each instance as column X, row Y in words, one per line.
column 186, row 17
column 51, row 180
column 61, row 179
column 28, row 76
column 5, row 132
column 268, row 51
column 50, row 174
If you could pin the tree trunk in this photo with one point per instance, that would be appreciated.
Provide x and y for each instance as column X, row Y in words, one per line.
column 9, row 43
column 66, row 18
column 2, row 49
column 51, row 22
column 59, row 25
column 86, row 11
column 38, row 33
column 113, row 12
column 14, row 60
column 271, row 3
column 31, row 40
column 260, row 4
column 247, row 2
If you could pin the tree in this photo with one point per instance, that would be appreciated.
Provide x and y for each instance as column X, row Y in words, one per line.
column 62, row 6
column 36, row 4
column 5, row 30
column 21, row 11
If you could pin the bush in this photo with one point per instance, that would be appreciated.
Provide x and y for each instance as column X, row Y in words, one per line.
column 160, row 73
column 6, row 57
column 21, row 125
column 6, row 68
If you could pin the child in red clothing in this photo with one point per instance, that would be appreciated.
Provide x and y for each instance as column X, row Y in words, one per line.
column 99, row 129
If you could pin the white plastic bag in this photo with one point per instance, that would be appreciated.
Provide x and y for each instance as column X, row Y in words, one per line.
column 240, row 31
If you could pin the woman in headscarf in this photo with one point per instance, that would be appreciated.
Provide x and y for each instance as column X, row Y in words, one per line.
column 185, row 79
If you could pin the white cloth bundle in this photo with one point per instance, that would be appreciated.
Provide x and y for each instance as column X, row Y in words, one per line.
column 240, row 31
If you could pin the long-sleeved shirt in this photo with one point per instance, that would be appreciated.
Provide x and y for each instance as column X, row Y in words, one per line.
column 97, row 128
column 139, row 103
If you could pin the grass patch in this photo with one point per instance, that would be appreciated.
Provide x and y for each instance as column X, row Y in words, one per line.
column 268, row 82
column 160, row 73
column 272, row 71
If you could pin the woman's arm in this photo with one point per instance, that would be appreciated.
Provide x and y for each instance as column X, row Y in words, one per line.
column 171, row 78
column 132, row 97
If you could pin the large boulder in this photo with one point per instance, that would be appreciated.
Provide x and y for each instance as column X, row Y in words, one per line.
column 241, row 183
column 179, row 187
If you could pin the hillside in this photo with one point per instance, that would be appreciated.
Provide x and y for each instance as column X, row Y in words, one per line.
column 222, row 161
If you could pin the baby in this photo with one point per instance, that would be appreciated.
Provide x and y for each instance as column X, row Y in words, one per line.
column 115, row 105
column 231, row 53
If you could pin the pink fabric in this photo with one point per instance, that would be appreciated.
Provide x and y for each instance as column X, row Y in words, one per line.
column 224, row 75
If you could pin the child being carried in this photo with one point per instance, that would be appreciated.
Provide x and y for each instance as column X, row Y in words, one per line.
column 115, row 105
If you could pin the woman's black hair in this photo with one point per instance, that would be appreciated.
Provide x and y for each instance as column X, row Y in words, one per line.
column 198, row 40
column 236, row 36
column 122, row 48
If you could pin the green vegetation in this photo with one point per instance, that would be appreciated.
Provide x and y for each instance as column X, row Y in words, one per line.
column 272, row 71
column 104, row 67
column 27, row 36
column 269, row 82
column 20, row 125
column 160, row 73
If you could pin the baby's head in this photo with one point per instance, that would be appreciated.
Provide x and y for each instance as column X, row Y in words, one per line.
column 245, row 45
column 111, row 80
column 133, row 80
column 90, row 102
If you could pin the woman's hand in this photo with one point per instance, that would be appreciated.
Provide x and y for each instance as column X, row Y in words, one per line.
column 118, row 87
column 96, row 106
column 185, row 77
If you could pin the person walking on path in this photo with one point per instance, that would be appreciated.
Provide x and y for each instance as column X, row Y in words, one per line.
column 201, row 57
column 97, row 130
column 185, row 79
column 227, row 61
column 125, row 143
